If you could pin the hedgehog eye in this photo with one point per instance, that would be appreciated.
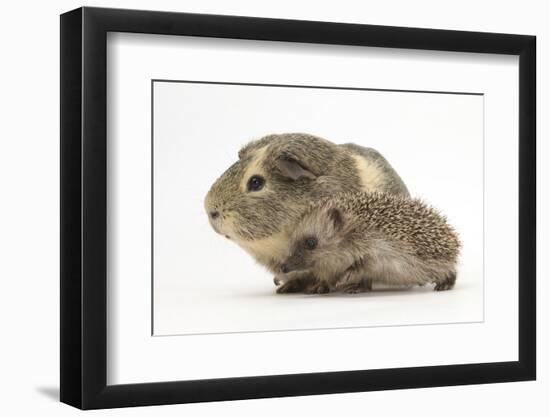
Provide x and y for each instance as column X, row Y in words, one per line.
column 255, row 183
column 311, row 243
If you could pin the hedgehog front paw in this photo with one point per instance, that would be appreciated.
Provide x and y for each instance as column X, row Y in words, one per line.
column 278, row 280
column 292, row 286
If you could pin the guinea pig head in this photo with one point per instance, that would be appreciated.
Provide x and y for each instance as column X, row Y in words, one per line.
column 266, row 189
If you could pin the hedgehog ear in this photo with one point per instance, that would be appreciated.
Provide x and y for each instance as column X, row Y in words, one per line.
column 335, row 218
column 291, row 168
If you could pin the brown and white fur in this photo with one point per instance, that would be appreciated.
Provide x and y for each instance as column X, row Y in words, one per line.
column 352, row 240
column 296, row 169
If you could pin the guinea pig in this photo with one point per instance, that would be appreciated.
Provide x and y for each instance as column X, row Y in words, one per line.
column 350, row 241
column 257, row 200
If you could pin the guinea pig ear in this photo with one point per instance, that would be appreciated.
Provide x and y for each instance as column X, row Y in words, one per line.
column 243, row 152
column 292, row 169
column 335, row 217
column 248, row 149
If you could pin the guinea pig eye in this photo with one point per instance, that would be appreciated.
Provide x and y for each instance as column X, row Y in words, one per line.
column 255, row 183
column 311, row 243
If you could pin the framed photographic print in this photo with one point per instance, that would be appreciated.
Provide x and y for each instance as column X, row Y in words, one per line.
column 257, row 208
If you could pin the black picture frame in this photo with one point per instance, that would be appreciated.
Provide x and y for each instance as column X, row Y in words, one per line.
column 83, row 207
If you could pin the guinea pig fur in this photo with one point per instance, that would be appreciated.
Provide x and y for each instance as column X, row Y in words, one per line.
column 257, row 200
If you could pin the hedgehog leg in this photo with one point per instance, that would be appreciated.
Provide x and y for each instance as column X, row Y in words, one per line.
column 352, row 282
column 446, row 283
column 354, row 288
column 294, row 282
column 292, row 286
column 318, row 287
column 368, row 284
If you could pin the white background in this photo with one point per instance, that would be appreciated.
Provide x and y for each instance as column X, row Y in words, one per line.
column 30, row 207
column 206, row 284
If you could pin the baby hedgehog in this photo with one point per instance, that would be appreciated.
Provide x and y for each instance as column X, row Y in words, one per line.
column 349, row 241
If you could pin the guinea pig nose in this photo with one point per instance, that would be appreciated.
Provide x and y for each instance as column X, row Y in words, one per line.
column 214, row 214
column 284, row 268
